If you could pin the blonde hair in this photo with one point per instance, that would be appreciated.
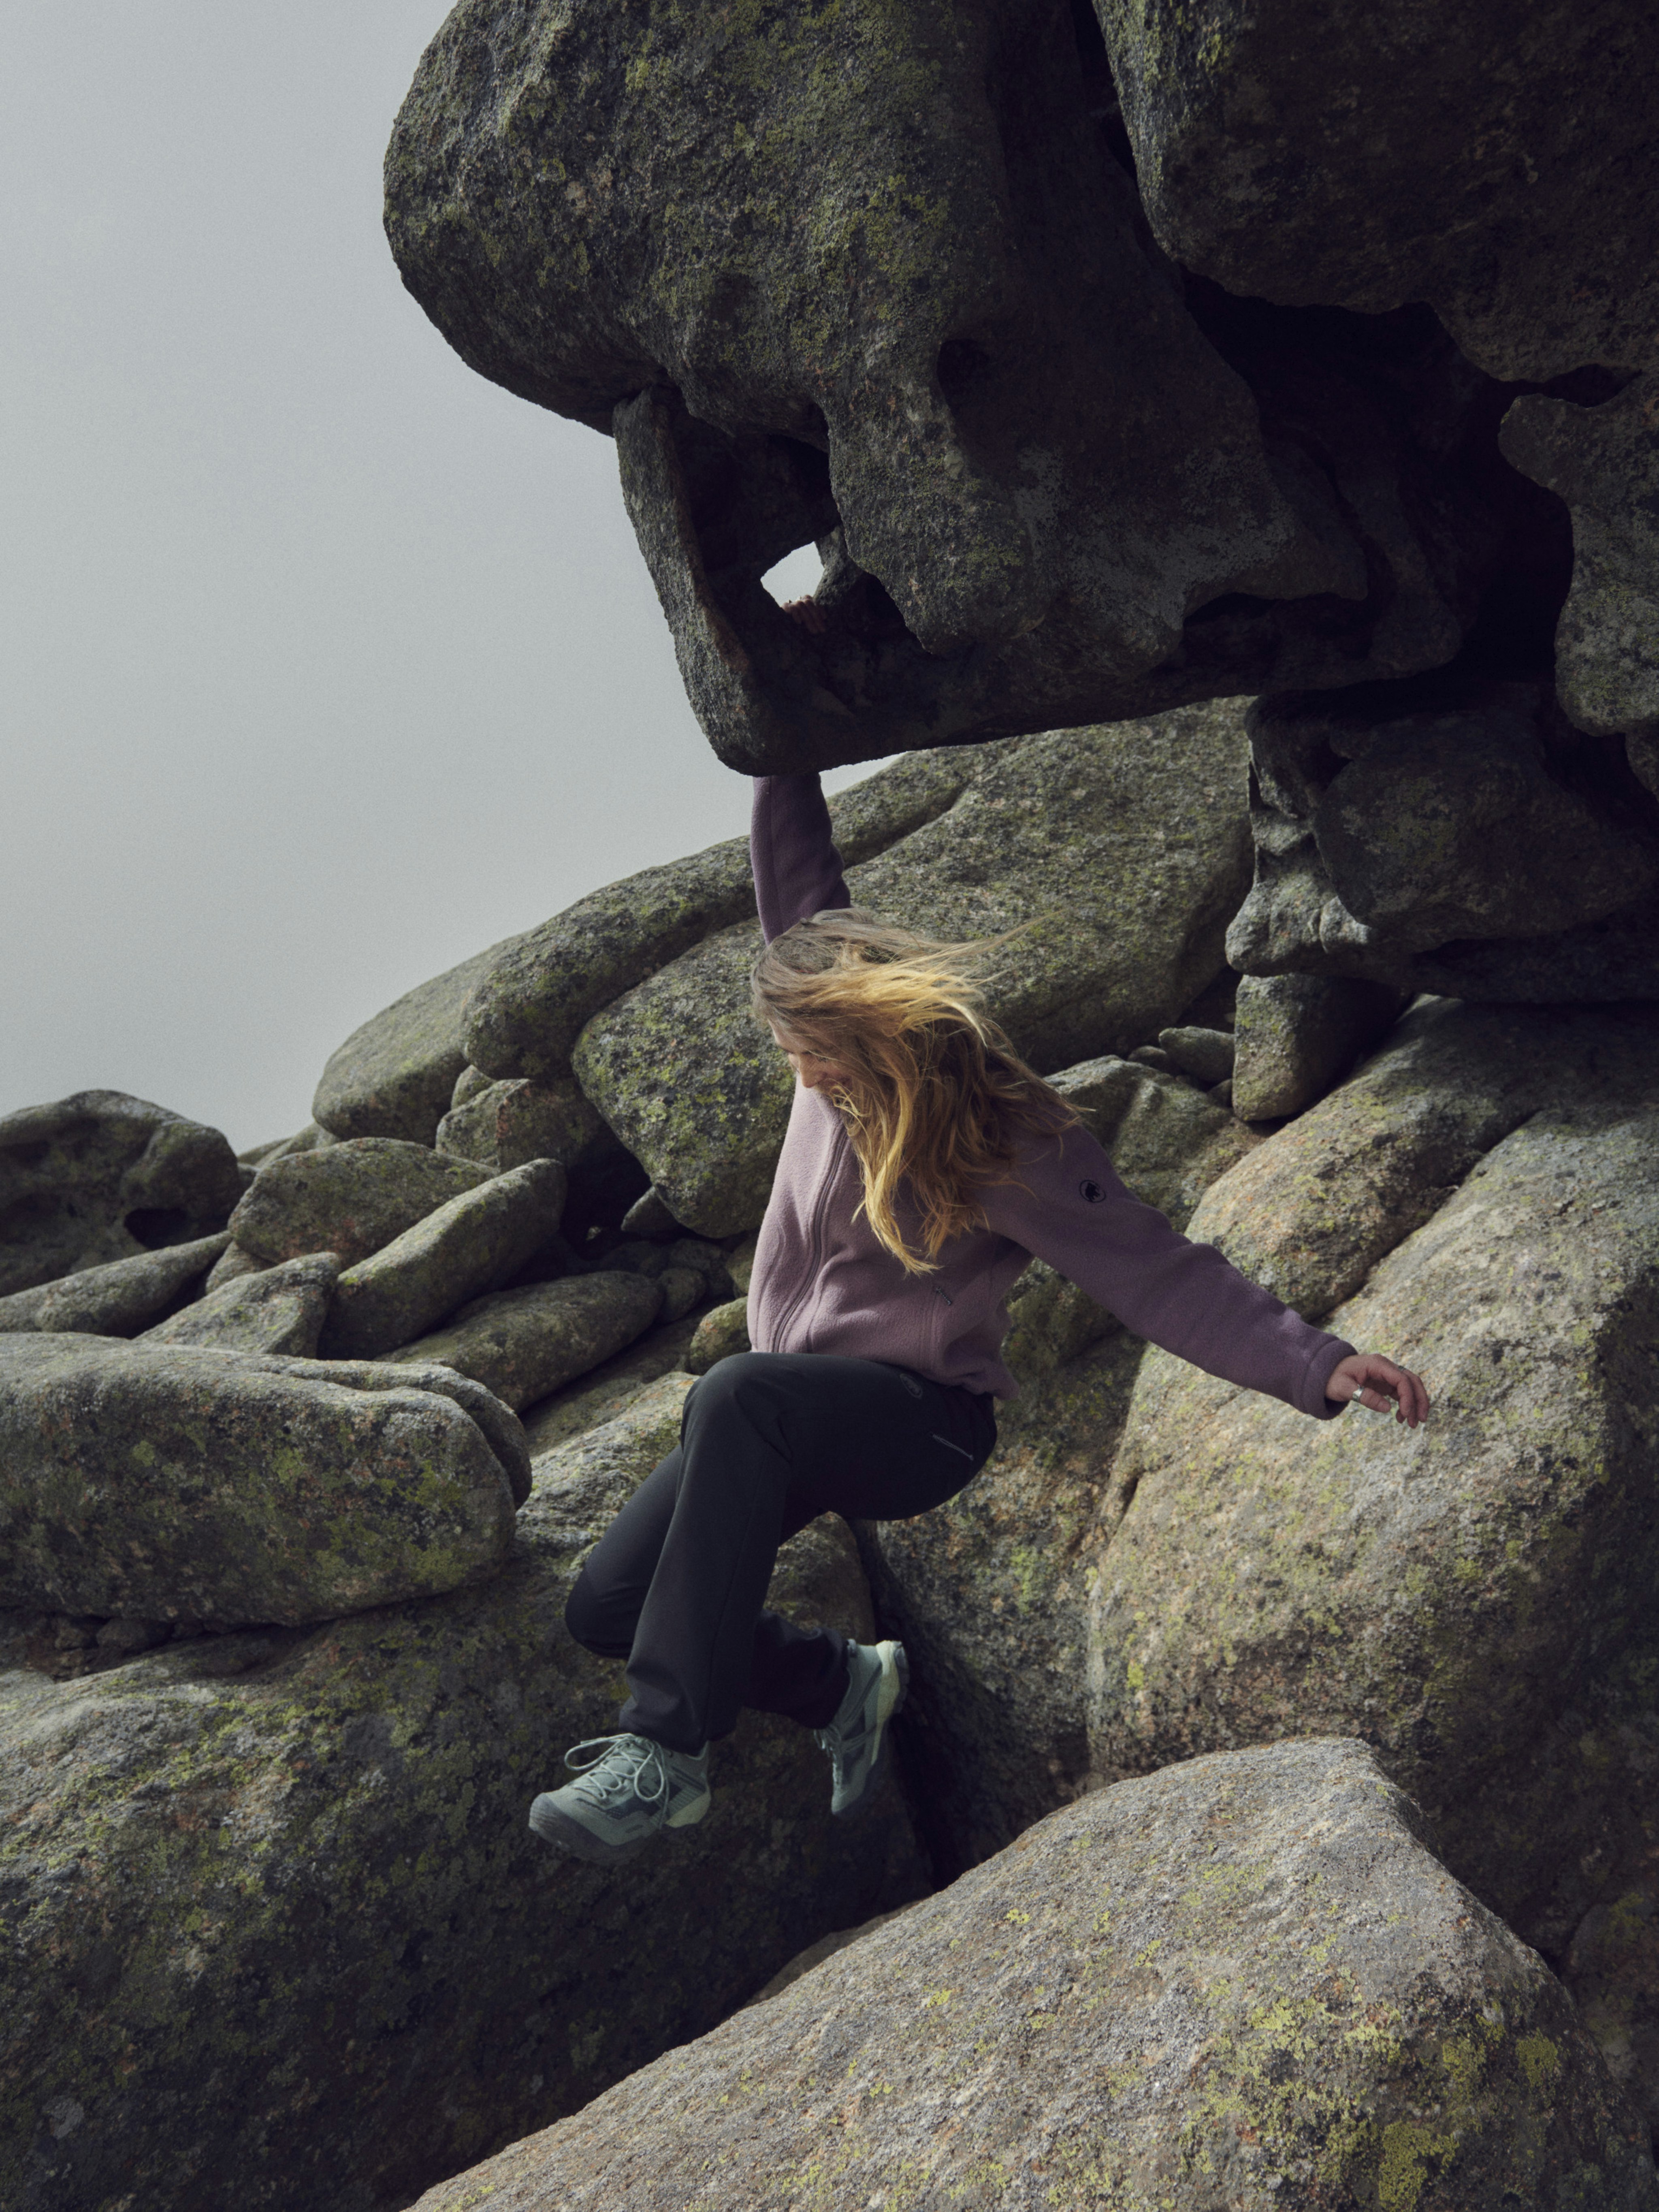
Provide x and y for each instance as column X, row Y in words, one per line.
column 933, row 1093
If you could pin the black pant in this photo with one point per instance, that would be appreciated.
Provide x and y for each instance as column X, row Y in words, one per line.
column 768, row 1442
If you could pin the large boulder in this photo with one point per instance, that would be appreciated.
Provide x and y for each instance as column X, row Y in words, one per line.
column 530, row 1006
column 1246, row 1981
column 457, row 1252
column 348, row 1199
column 120, row 1298
column 1463, row 1594
column 1116, row 857
column 182, row 1480
column 274, row 1912
column 883, row 284
column 523, row 1345
column 104, row 1176
column 1344, row 155
column 394, row 1075
column 281, row 1308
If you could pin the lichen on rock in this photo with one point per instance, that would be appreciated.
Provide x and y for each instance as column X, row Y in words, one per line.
column 1245, row 1980
column 272, row 1873
column 173, row 1480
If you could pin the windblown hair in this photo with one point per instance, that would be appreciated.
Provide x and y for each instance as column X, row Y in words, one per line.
column 933, row 1094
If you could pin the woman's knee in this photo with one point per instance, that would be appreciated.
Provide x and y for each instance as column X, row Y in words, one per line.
column 743, row 1381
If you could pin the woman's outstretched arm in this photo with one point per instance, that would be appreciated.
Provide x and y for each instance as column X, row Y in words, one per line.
column 1069, row 1207
column 792, row 852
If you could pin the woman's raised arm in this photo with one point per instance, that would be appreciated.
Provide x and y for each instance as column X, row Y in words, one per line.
column 792, row 852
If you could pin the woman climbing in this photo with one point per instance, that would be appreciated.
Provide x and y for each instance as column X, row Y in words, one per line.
column 925, row 1165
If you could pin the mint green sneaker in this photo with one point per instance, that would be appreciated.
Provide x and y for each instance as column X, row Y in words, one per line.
column 878, row 1674
column 627, row 1790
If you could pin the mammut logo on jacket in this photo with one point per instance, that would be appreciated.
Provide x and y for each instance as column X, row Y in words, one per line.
column 1092, row 1192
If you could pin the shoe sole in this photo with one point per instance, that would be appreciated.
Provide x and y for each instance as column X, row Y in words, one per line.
column 894, row 1706
column 555, row 1825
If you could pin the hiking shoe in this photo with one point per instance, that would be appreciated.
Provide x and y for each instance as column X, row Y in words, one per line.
column 878, row 1674
column 627, row 1788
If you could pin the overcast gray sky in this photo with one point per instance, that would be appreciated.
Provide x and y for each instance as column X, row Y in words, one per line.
column 327, row 662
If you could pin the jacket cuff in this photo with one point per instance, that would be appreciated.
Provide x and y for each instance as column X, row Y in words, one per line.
column 1320, row 1368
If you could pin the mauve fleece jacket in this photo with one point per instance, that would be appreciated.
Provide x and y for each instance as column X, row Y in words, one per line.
column 822, row 1282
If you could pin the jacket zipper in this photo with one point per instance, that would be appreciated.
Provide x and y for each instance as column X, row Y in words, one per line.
column 820, row 1202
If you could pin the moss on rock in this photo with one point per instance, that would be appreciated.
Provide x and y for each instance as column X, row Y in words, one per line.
column 1311, row 1212
column 348, row 1199
column 523, row 1345
column 272, row 1910
column 171, row 1480
column 393, row 1077
column 102, row 1176
column 121, row 1299
column 1245, row 1981
column 280, row 1308
column 461, row 1250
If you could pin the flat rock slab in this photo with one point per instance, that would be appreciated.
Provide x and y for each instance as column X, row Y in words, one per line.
column 349, row 1199
column 521, row 1345
column 182, row 1481
column 103, row 1177
column 1243, row 1982
column 279, row 1872
column 463, row 1251
column 120, row 1298
column 280, row 1308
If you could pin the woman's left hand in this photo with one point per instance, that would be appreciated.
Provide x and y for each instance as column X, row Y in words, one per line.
column 1365, row 1378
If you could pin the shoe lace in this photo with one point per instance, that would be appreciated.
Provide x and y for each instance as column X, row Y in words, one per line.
column 618, row 1765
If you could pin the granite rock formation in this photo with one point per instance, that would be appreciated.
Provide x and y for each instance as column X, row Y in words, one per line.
column 395, row 1075
column 523, row 1345
column 189, row 1481
column 1009, row 1597
column 349, row 1199
column 1123, row 364
column 1129, row 2008
column 273, row 1912
column 280, row 1308
column 1115, row 360
column 459, row 1251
